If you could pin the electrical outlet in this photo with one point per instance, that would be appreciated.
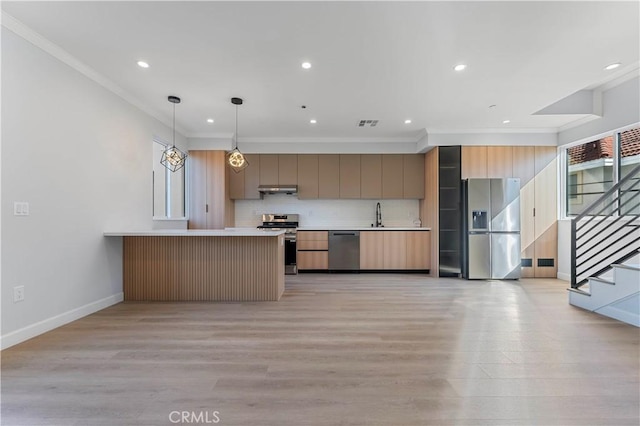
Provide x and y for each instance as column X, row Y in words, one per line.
column 18, row 294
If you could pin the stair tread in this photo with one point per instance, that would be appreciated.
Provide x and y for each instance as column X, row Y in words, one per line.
column 626, row 266
column 602, row 280
column 579, row 291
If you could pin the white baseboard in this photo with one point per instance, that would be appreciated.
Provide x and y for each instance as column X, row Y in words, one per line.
column 564, row 277
column 33, row 330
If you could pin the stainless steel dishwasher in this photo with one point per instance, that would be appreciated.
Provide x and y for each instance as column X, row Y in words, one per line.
column 344, row 250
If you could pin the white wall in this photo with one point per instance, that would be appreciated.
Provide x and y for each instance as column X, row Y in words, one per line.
column 81, row 156
column 336, row 213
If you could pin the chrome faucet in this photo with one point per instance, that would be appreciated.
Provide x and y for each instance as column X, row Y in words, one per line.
column 378, row 216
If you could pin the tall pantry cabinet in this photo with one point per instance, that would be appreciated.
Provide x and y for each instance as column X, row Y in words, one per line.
column 536, row 166
column 209, row 203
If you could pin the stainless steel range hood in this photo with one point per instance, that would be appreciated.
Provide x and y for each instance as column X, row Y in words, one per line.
column 278, row 189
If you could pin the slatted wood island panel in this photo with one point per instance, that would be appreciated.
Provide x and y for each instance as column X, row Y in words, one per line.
column 204, row 266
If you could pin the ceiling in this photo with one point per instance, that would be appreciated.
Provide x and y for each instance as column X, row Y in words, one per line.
column 388, row 61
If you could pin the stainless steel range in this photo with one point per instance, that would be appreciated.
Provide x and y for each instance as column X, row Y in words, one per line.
column 288, row 223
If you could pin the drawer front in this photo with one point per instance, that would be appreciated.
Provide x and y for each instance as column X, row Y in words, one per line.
column 312, row 245
column 312, row 260
column 312, row 236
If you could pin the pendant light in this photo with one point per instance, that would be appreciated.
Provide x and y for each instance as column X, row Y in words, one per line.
column 172, row 158
column 237, row 161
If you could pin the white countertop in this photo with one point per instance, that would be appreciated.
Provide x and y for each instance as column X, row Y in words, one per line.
column 357, row 228
column 228, row 232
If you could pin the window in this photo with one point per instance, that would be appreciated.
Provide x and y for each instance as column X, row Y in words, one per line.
column 594, row 167
column 168, row 187
column 629, row 158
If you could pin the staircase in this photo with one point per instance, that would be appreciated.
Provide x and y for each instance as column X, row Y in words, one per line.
column 605, row 253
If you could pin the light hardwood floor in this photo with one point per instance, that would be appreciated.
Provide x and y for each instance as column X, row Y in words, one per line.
column 336, row 350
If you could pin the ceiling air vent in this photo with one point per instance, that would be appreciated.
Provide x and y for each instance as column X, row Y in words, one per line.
column 367, row 123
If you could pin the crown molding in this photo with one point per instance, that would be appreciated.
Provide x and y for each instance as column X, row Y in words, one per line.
column 490, row 130
column 33, row 37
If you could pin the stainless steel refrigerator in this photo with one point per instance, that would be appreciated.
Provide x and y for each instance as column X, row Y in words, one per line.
column 491, row 228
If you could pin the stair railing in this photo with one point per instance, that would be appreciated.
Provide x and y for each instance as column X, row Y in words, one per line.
column 610, row 235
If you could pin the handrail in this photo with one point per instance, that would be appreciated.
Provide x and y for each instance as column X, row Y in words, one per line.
column 595, row 236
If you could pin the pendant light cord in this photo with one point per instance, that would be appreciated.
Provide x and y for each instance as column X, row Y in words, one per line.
column 236, row 135
column 174, row 125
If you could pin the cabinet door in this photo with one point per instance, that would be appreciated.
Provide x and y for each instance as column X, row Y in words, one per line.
column 328, row 176
column 307, row 260
column 268, row 169
column 371, row 176
column 252, row 177
column 216, row 189
column 236, row 184
column 418, row 250
column 371, row 249
column 413, row 176
column 198, row 193
column 545, row 220
column 523, row 163
column 474, row 162
column 395, row 249
column 392, row 176
column 350, row 176
column 307, row 176
column 287, row 169
column 499, row 161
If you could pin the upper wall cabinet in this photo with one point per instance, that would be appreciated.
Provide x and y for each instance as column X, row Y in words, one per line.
column 333, row 176
column 244, row 184
column 308, row 176
column 350, row 176
column 392, row 176
column 474, row 162
column 371, row 176
column 328, row 176
column 413, row 176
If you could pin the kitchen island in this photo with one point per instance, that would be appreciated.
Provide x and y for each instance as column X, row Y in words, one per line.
column 202, row 265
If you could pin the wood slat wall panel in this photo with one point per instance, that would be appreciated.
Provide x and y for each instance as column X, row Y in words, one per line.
column 203, row 268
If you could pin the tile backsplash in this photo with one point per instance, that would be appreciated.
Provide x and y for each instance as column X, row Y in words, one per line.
column 339, row 213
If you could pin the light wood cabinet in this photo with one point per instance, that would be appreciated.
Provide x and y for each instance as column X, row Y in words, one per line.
column 312, row 250
column 371, row 250
column 287, row 169
column 418, row 250
column 536, row 168
column 252, row 177
column 499, row 161
column 328, row 176
column 392, row 176
column 312, row 260
column 210, row 206
column 395, row 249
column 268, row 169
column 244, row 184
column 523, row 163
column 349, row 176
column 413, row 176
column 474, row 162
column 308, row 176
column 371, row 176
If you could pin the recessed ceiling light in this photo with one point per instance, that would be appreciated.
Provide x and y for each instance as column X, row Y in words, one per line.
column 612, row 66
column 407, row 121
column 209, row 120
column 313, row 121
column 306, row 65
column 506, row 121
column 143, row 64
column 459, row 67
